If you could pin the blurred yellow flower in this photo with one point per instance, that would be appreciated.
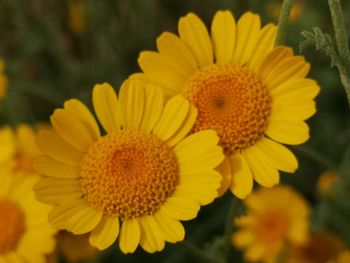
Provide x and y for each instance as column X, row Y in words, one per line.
column 254, row 95
column 26, row 236
column 325, row 182
column 275, row 217
column 343, row 257
column 77, row 16
column 274, row 9
column 75, row 248
column 320, row 248
column 135, row 182
column 18, row 147
column 3, row 80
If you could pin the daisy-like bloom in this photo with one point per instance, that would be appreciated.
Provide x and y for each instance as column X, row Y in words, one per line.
column 253, row 95
column 18, row 147
column 325, row 182
column 136, row 181
column 275, row 217
column 3, row 80
column 26, row 236
column 321, row 247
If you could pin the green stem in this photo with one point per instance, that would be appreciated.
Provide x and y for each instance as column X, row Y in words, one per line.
column 234, row 206
column 198, row 253
column 283, row 22
column 317, row 157
column 342, row 44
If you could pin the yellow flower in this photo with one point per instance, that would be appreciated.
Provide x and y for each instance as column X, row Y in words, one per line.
column 254, row 95
column 3, row 80
column 18, row 147
column 322, row 247
column 275, row 217
column 76, row 248
column 26, row 236
column 325, row 182
column 135, row 182
column 77, row 16
column 343, row 257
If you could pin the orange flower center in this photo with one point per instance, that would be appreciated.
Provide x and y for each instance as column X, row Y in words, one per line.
column 12, row 225
column 129, row 174
column 231, row 100
column 271, row 226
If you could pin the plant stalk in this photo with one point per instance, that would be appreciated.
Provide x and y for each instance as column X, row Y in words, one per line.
column 283, row 22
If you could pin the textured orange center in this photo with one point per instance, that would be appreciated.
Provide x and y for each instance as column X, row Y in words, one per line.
column 231, row 100
column 129, row 174
column 271, row 226
column 12, row 225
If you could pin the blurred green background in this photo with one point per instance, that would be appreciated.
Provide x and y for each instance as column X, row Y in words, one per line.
column 55, row 50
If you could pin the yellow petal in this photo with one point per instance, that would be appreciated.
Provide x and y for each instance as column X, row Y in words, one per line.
column 58, row 149
column 254, row 252
column 185, row 128
column 248, row 28
column 152, row 239
column 199, row 150
column 202, row 176
column 55, row 191
column 288, row 132
column 295, row 89
column 26, row 140
column 132, row 100
column 243, row 238
column 106, row 106
column 129, row 236
column 75, row 216
column 154, row 103
column 176, row 52
column 293, row 110
column 180, row 208
column 52, row 168
column 202, row 193
column 225, row 170
column 273, row 58
column 106, row 232
column 277, row 155
column 193, row 31
column 264, row 46
column 160, row 72
column 290, row 68
column 173, row 230
column 72, row 130
column 223, row 34
column 81, row 112
column 264, row 174
column 242, row 178
column 173, row 117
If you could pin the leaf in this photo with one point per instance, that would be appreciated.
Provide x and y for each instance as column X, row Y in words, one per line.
column 321, row 41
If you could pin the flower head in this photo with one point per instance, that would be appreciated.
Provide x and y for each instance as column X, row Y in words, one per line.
column 18, row 148
column 136, row 181
column 274, row 218
column 3, row 80
column 23, row 220
column 253, row 95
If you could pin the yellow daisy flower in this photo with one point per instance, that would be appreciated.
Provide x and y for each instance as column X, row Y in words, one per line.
column 18, row 147
column 26, row 236
column 254, row 95
column 3, row 80
column 135, row 182
column 274, row 218
column 321, row 247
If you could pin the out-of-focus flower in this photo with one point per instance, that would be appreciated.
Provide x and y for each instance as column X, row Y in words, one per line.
column 75, row 248
column 26, row 236
column 3, row 80
column 325, row 182
column 256, row 96
column 275, row 217
column 77, row 16
column 137, row 181
column 274, row 9
column 18, row 147
column 319, row 248
column 343, row 257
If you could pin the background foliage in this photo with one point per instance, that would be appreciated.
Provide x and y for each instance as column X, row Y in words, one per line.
column 56, row 49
